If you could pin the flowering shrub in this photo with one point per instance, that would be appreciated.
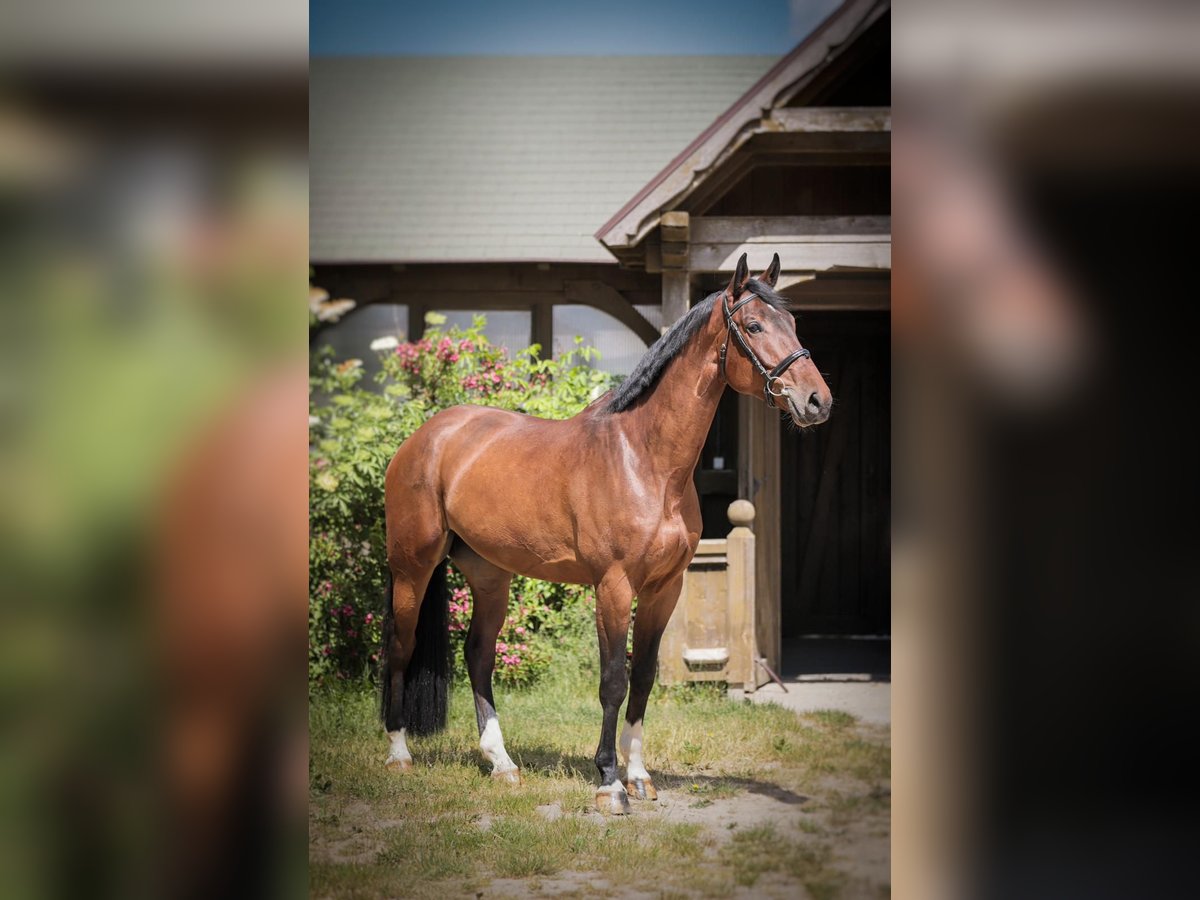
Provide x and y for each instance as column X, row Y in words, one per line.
column 542, row 618
column 353, row 434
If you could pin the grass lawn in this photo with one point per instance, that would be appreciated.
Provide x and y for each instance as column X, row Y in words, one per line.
column 753, row 801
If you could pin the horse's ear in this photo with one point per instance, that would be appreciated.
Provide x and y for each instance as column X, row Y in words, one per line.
column 771, row 275
column 740, row 274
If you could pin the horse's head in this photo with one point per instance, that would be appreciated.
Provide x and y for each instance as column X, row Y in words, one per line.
column 762, row 354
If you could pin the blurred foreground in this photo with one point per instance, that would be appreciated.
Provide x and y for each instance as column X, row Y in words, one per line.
column 152, row 451
column 1045, row 185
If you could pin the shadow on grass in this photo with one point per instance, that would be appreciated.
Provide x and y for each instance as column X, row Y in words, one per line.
column 550, row 762
column 668, row 781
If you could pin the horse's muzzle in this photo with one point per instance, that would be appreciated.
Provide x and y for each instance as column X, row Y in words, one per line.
column 814, row 412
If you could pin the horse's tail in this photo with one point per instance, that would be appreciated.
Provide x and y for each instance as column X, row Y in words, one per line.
column 427, row 677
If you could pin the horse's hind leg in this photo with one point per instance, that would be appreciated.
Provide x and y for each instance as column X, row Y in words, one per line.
column 654, row 610
column 489, row 587
column 405, row 713
column 416, row 642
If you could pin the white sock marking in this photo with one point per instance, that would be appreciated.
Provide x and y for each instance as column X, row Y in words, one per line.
column 615, row 788
column 491, row 742
column 399, row 751
column 631, row 749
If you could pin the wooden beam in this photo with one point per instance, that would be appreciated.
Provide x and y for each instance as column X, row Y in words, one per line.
column 836, row 293
column 608, row 299
column 482, row 298
column 812, row 119
column 794, row 256
column 653, row 257
column 516, row 277
column 716, row 183
column 676, row 295
column 674, row 254
column 790, row 229
column 826, row 148
column 675, row 226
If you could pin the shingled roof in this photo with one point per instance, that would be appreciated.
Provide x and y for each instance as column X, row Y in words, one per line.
column 470, row 159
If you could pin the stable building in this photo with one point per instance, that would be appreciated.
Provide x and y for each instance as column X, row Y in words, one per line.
column 601, row 197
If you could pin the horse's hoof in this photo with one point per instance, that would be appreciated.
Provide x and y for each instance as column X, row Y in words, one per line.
column 509, row 776
column 399, row 765
column 642, row 788
column 613, row 803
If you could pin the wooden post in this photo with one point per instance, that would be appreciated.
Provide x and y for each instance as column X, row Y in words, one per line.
column 759, row 480
column 676, row 296
column 676, row 279
column 543, row 328
column 416, row 321
column 739, row 553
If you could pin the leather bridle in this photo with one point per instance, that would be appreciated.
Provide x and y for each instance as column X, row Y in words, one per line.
column 770, row 375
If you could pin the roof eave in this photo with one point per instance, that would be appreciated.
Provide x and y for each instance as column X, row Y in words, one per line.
column 637, row 218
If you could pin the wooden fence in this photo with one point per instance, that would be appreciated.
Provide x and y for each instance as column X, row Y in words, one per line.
column 711, row 635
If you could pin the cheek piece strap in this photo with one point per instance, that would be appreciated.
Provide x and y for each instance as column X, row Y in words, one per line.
column 770, row 376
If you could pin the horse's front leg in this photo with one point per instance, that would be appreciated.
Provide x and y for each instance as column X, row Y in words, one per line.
column 614, row 596
column 654, row 611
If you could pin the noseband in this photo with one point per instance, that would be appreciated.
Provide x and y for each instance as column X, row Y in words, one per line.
column 771, row 375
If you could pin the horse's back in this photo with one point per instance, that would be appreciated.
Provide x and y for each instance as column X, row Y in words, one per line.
column 458, row 440
column 508, row 484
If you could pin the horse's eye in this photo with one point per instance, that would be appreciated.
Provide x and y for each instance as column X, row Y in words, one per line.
column 754, row 328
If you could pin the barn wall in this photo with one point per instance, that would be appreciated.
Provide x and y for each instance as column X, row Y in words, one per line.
column 808, row 191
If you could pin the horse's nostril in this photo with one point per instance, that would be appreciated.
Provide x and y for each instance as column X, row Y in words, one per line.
column 814, row 402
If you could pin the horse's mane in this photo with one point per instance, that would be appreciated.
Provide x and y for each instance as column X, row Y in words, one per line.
column 644, row 377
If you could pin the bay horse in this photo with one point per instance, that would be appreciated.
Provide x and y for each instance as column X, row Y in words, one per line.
column 604, row 498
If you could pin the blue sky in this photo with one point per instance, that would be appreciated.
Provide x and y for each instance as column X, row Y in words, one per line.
column 564, row 28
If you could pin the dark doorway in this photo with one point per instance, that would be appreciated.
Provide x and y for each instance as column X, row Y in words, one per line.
column 836, row 485
column 716, row 472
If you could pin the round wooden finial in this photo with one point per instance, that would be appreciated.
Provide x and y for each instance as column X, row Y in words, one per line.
column 741, row 513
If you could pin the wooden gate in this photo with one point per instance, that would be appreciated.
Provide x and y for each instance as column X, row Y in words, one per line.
column 711, row 635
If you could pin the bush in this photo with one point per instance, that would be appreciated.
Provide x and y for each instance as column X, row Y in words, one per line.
column 353, row 434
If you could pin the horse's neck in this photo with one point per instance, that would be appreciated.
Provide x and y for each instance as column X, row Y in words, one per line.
column 675, row 419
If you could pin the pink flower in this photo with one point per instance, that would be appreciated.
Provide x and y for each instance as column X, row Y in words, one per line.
column 325, row 651
column 521, row 629
column 502, row 647
column 370, row 618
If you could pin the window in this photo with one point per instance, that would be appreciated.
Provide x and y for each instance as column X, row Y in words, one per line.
column 620, row 349
column 351, row 337
column 505, row 328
